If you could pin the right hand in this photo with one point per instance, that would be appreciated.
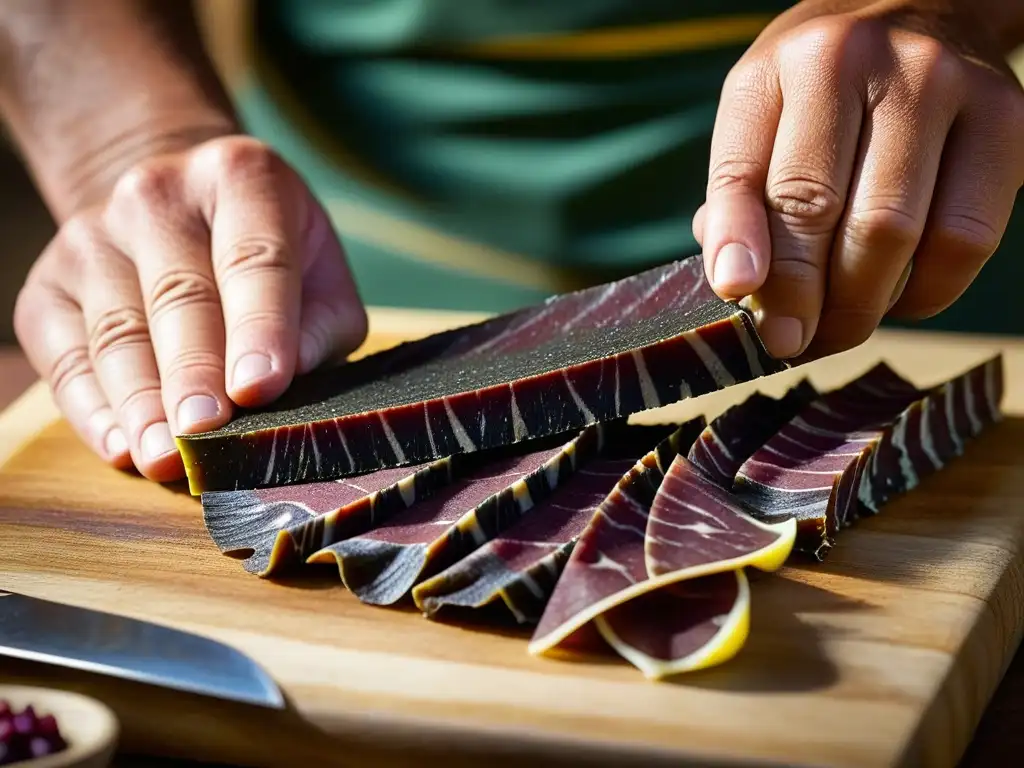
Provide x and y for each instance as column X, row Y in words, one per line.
column 205, row 281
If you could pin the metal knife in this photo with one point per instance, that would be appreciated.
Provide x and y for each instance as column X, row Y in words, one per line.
column 105, row 643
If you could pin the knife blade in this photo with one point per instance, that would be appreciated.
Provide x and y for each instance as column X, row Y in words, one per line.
column 55, row 633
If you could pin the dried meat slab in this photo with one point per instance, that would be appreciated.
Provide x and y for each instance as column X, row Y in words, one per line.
column 931, row 432
column 521, row 565
column 383, row 564
column 577, row 359
column 701, row 531
column 740, row 430
column 284, row 526
column 813, row 470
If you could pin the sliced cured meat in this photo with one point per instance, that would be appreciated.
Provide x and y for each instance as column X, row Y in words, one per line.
column 700, row 530
column 695, row 526
column 681, row 627
column 810, row 470
column 931, row 432
column 283, row 526
column 818, row 468
column 695, row 612
column 382, row 565
column 577, row 359
column 734, row 435
column 522, row 564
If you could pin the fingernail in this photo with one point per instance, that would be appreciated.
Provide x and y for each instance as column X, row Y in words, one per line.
column 196, row 409
column 735, row 268
column 783, row 336
column 115, row 443
column 251, row 368
column 157, row 440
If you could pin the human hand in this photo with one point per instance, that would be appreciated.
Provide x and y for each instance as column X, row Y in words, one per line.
column 205, row 281
column 865, row 160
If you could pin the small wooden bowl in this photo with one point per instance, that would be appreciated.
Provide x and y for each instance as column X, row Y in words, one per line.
column 89, row 727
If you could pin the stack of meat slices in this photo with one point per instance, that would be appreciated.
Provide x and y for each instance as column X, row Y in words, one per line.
column 495, row 468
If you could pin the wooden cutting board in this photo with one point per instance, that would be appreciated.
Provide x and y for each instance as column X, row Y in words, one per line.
column 886, row 654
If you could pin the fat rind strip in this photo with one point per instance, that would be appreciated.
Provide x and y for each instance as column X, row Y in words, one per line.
column 659, row 337
column 381, row 572
column 683, row 627
column 521, row 566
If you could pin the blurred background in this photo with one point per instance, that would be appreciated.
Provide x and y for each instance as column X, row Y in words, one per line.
column 26, row 226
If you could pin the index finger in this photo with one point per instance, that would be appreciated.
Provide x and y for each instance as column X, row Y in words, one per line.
column 255, row 227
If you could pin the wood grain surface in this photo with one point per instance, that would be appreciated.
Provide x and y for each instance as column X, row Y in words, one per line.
column 886, row 654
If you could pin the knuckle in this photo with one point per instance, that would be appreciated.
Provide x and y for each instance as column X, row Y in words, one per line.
column 187, row 365
column 733, row 174
column 181, row 289
column 883, row 225
column 68, row 366
column 116, row 329
column 259, row 321
column 967, row 235
column 81, row 235
column 831, row 37
column 26, row 312
column 240, row 156
column 151, row 184
column 140, row 404
column 258, row 255
column 932, row 71
column 805, row 202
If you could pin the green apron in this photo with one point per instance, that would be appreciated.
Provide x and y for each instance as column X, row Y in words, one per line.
column 484, row 154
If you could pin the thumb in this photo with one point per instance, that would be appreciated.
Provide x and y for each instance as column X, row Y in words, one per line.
column 333, row 321
column 734, row 222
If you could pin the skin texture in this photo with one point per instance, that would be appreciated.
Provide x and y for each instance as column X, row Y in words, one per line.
column 865, row 161
column 194, row 272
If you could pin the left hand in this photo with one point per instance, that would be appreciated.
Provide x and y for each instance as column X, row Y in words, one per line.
column 865, row 160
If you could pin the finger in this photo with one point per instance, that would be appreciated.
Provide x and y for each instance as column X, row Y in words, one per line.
column 166, row 238
column 260, row 212
column 333, row 320
column 733, row 223
column 809, row 176
column 981, row 174
column 698, row 224
column 51, row 330
column 121, row 350
column 902, row 144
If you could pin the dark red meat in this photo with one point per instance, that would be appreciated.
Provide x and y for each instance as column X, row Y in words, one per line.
column 522, row 564
column 733, row 436
column 579, row 358
column 383, row 564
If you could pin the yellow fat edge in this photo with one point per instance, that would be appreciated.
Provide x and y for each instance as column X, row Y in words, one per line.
column 769, row 558
column 187, row 458
column 725, row 644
